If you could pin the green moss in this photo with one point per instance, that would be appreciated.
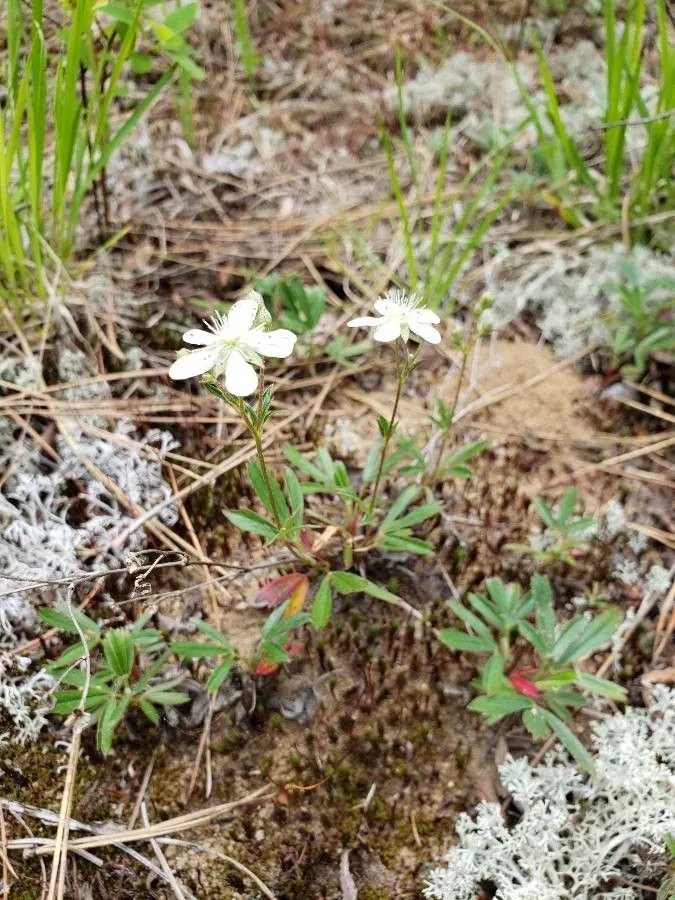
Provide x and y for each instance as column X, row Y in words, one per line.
column 277, row 721
column 374, row 892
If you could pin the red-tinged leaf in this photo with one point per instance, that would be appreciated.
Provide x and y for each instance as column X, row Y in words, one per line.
column 298, row 597
column 523, row 684
column 276, row 591
column 294, row 648
column 265, row 668
column 307, row 539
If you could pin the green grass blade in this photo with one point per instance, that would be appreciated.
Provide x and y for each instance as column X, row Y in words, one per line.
column 249, row 55
column 400, row 202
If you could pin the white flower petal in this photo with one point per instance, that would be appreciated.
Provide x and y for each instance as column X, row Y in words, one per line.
column 426, row 332
column 279, row 343
column 388, row 331
column 424, row 316
column 198, row 336
column 385, row 306
column 241, row 379
column 365, row 322
column 197, row 362
column 243, row 314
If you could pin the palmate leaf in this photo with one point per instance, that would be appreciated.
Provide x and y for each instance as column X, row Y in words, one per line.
column 118, row 648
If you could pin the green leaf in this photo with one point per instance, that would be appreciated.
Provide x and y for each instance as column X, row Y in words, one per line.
column 470, row 619
column 404, row 499
column 196, row 649
column 327, row 464
column 273, row 652
column 554, row 681
column 188, row 66
column 579, row 526
column 595, row 634
column 493, row 674
column 460, row 640
column 219, row 674
column 182, row 17
column 117, row 11
column 62, row 617
column 485, row 609
column 212, row 632
column 463, row 454
column 601, row 686
column 111, row 715
column 415, row 516
column 501, row 596
column 542, row 595
column 118, row 648
column 458, row 471
column 569, row 740
column 567, row 505
column 568, row 636
column 348, row 582
column 372, row 462
column 149, row 710
column 247, row 520
column 70, row 656
column 536, row 724
column 141, row 63
column 534, row 637
column 545, row 512
column 303, row 464
column 295, row 496
column 401, row 542
column 495, row 708
column 276, row 501
column 165, row 698
column 323, row 603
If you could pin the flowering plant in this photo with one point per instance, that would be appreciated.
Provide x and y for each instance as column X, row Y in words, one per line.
column 228, row 358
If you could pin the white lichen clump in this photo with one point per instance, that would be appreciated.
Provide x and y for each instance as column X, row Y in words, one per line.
column 569, row 295
column 57, row 521
column 578, row 836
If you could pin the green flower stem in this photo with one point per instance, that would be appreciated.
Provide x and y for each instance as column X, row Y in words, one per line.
column 401, row 374
column 256, row 433
column 266, row 476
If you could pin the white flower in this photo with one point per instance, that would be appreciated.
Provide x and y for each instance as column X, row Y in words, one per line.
column 400, row 313
column 232, row 343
